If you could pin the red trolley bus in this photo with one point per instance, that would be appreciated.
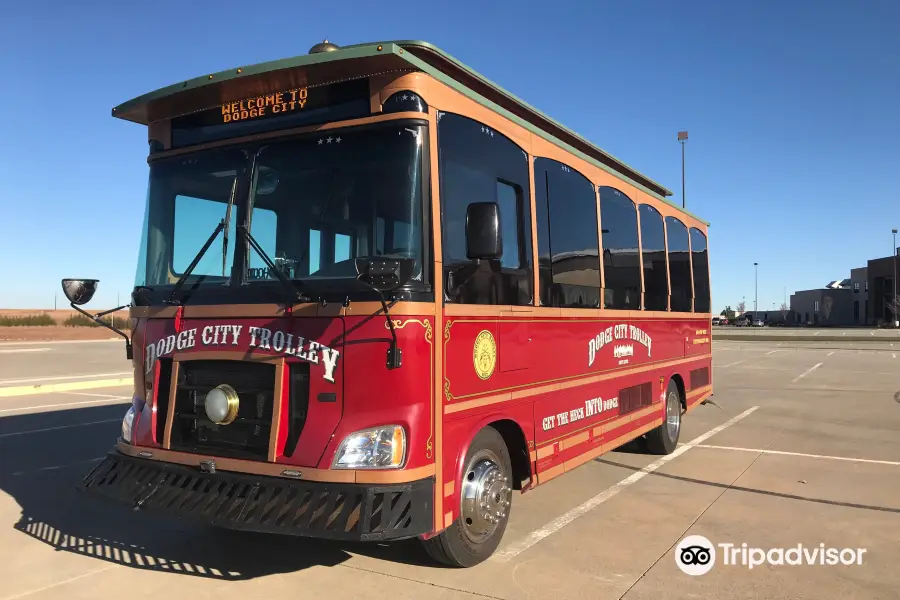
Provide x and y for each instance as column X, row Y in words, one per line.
column 377, row 294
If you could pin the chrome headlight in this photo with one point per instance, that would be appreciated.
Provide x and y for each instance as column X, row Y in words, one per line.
column 377, row 448
column 222, row 404
column 127, row 422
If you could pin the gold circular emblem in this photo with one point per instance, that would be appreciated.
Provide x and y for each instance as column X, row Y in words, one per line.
column 485, row 354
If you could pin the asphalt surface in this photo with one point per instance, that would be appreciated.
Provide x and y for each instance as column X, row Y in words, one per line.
column 801, row 449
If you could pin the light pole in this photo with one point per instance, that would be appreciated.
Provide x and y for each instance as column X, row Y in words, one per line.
column 895, row 306
column 755, row 287
column 682, row 138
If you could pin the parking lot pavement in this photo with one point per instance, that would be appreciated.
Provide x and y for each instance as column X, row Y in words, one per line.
column 800, row 449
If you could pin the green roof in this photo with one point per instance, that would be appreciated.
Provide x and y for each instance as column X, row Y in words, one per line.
column 225, row 86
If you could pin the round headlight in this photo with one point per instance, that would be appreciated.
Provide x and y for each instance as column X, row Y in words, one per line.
column 222, row 404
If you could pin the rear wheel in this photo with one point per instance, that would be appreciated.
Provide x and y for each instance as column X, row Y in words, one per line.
column 485, row 501
column 664, row 438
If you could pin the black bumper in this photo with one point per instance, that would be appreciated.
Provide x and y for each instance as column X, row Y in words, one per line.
column 343, row 511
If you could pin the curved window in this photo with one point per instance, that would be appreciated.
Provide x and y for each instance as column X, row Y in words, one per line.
column 478, row 164
column 700, row 262
column 653, row 255
column 568, row 246
column 679, row 264
column 621, row 263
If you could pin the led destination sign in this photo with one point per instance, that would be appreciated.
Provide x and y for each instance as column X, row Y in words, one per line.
column 271, row 104
column 293, row 107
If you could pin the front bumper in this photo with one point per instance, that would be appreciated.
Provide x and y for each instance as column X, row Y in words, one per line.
column 344, row 511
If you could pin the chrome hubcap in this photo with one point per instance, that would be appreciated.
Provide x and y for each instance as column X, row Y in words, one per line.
column 486, row 496
column 673, row 415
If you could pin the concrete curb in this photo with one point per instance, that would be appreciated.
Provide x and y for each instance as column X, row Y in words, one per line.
column 804, row 338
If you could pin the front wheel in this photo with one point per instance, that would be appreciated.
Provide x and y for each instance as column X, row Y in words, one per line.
column 485, row 501
column 664, row 438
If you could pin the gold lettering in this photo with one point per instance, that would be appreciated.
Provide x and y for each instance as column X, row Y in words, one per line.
column 270, row 99
column 234, row 107
column 260, row 102
column 279, row 98
column 251, row 103
column 293, row 94
column 262, row 111
column 244, row 114
column 302, row 103
column 292, row 105
column 253, row 113
column 276, row 109
column 226, row 117
column 226, row 109
column 303, row 93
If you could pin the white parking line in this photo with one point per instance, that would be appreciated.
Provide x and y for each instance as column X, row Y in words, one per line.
column 731, row 364
column 823, row 456
column 100, row 401
column 817, row 333
column 55, row 467
column 17, row 350
column 63, row 377
column 517, row 548
column 14, row 433
column 830, row 353
column 773, row 352
column 806, row 372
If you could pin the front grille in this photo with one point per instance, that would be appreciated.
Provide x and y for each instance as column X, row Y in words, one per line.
column 248, row 435
column 329, row 510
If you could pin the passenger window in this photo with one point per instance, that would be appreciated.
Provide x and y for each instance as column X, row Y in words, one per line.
column 619, row 237
column 508, row 199
column 315, row 250
column 341, row 247
column 700, row 262
column 653, row 256
column 478, row 164
column 568, row 245
column 679, row 265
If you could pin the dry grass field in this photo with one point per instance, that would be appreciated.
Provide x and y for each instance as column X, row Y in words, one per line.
column 49, row 332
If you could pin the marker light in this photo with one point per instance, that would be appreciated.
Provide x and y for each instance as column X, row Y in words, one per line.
column 377, row 448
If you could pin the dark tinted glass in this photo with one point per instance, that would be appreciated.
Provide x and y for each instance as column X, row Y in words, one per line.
column 567, row 236
column 700, row 261
column 653, row 251
column 679, row 265
column 478, row 164
column 619, row 236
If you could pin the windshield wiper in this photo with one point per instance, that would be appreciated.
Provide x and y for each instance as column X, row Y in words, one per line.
column 227, row 222
column 294, row 294
column 172, row 299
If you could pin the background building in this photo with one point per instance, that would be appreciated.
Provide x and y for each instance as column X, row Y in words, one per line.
column 881, row 274
column 825, row 307
column 859, row 280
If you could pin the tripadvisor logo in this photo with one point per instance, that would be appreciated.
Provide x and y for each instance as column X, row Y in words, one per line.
column 696, row 555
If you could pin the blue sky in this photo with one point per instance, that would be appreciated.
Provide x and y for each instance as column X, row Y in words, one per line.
column 792, row 109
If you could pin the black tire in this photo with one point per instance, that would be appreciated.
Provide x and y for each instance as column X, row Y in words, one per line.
column 663, row 440
column 455, row 546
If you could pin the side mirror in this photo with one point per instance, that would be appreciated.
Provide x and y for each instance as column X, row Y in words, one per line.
column 79, row 291
column 384, row 274
column 483, row 239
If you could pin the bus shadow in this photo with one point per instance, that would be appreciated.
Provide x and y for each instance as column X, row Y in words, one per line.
column 41, row 470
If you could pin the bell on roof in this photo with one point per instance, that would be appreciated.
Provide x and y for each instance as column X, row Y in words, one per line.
column 324, row 46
